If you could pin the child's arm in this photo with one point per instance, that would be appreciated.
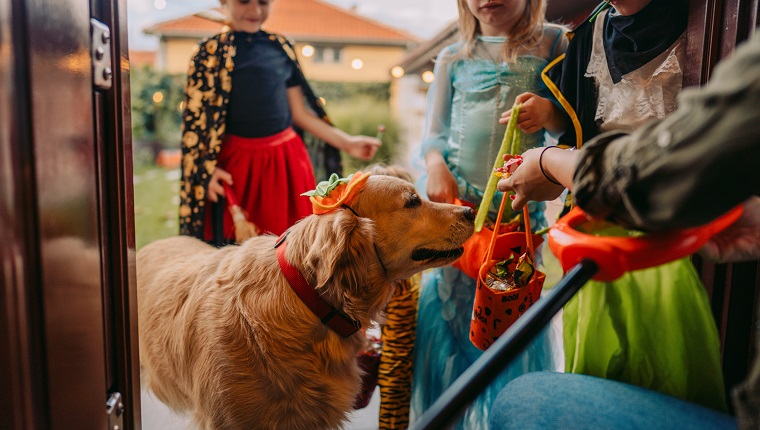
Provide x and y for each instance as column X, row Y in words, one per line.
column 362, row 147
column 536, row 113
column 543, row 175
column 441, row 186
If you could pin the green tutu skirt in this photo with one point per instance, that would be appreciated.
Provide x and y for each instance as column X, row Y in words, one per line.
column 652, row 328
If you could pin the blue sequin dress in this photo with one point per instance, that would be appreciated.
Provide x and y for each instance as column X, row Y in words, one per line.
column 464, row 105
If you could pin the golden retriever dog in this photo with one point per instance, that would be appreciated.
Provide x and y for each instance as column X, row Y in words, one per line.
column 225, row 337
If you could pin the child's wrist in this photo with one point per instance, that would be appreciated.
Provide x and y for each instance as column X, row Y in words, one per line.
column 434, row 158
column 341, row 144
column 546, row 174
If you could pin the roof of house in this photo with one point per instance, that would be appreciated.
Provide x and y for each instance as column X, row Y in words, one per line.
column 301, row 20
column 139, row 58
column 421, row 57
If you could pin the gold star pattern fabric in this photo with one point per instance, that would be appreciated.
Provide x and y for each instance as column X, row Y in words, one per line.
column 207, row 95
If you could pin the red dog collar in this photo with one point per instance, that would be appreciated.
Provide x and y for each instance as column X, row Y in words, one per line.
column 343, row 325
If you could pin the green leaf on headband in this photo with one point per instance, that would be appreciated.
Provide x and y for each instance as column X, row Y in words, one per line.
column 324, row 188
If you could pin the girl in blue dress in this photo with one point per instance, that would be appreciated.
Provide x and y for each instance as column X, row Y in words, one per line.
column 505, row 45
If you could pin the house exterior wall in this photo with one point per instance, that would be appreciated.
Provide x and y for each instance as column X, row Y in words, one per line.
column 378, row 60
column 175, row 53
column 408, row 100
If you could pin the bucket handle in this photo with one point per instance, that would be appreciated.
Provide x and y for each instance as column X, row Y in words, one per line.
column 526, row 223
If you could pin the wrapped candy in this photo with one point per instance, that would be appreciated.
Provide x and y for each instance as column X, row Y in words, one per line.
column 507, row 275
column 500, row 276
column 511, row 163
column 524, row 270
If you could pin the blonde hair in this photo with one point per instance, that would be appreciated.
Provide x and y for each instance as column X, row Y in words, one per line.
column 526, row 33
column 390, row 170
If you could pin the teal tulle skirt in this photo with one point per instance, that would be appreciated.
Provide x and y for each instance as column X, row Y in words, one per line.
column 443, row 350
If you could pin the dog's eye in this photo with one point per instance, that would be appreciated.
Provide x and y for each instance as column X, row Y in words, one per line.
column 413, row 201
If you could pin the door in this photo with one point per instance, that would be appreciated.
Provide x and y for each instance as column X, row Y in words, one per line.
column 67, row 296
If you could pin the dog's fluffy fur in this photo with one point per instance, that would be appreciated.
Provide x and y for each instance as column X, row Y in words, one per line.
column 223, row 335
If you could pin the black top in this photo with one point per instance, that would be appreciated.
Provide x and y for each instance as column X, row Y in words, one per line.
column 260, row 78
column 629, row 43
column 632, row 41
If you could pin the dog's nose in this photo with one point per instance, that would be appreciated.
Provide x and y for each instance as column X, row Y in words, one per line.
column 469, row 213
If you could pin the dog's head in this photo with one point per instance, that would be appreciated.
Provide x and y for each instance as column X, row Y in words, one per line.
column 352, row 255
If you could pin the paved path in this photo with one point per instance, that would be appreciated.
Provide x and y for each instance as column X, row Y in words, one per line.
column 156, row 416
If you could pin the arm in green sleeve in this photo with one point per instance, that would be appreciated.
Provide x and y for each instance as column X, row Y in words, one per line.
column 688, row 168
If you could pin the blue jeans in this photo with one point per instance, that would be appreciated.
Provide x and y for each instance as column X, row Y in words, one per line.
column 549, row 400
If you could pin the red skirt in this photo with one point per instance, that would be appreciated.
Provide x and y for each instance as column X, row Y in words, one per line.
column 268, row 176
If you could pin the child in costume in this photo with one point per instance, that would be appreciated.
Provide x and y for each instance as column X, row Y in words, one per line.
column 623, row 67
column 712, row 143
column 244, row 94
column 504, row 47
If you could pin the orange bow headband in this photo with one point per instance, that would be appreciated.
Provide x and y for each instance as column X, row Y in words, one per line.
column 335, row 192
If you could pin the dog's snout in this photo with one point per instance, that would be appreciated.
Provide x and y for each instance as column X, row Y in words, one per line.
column 468, row 213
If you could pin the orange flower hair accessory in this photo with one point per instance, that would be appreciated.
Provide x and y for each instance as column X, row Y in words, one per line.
column 335, row 192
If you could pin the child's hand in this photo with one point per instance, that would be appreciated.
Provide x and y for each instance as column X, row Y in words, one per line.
column 528, row 182
column 215, row 188
column 362, row 147
column 740, row 241
column 535, row 113
column 441, row 185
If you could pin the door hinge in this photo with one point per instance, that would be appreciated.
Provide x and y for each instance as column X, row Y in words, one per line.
column 115, row 412
column 102, row 70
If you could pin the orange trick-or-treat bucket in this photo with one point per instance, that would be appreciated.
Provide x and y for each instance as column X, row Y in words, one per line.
column 507, row 283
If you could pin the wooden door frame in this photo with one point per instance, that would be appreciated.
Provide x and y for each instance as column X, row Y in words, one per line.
column 40, row 390
column 117, row 216
column 715, row 28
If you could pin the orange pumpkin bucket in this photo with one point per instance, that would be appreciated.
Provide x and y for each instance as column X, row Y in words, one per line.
column 505, row 288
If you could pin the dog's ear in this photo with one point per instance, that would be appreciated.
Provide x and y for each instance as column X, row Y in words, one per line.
column 344, row 262
column 345, row 248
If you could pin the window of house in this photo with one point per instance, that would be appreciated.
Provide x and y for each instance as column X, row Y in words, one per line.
column 337, row 55
column 328, row 54
column 319, row 54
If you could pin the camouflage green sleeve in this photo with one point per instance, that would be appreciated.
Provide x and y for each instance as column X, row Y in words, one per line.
column 685, row 169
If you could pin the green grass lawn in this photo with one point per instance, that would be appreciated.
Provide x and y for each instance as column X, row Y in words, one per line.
column 156, row 203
